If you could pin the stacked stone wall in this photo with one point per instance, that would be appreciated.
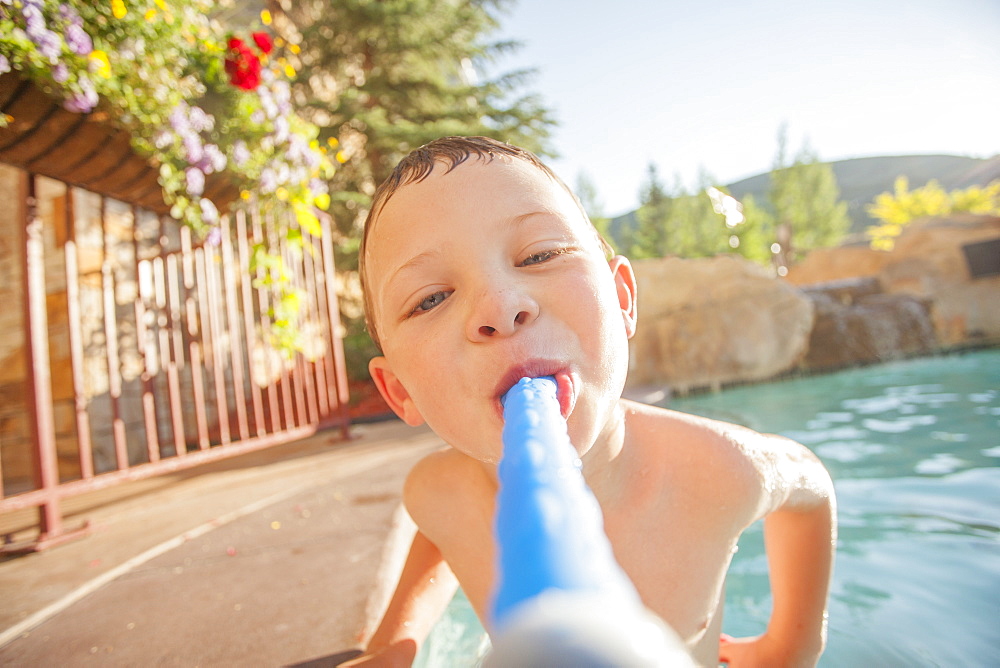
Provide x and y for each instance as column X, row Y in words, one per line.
column 706, row 323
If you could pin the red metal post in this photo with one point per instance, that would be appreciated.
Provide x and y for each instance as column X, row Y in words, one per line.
column 228, row 292
column 248, row 319
column 313, row 285
column 340, row 365
column 194, row 337
column 309, row 310
column 144, row 350
column 298, row 369
column 262, row 302
column 76, row 341
column 212, row 334
column 111, row 344
column 36, row 348
column 168, row 309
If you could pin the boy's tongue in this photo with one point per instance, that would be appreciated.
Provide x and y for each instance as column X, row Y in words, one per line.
column 562, row 385
column 564, row 393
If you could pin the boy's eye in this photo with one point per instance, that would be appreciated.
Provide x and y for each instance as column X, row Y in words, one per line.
column 538, row 258
column 430, row 302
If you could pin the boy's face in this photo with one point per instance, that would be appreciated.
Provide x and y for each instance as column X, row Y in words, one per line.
column 486, row 274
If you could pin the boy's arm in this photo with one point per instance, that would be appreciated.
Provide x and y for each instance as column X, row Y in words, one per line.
column 425, row 587
column 800, row 534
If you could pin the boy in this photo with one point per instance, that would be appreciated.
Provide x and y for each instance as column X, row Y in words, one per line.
column 479, row 267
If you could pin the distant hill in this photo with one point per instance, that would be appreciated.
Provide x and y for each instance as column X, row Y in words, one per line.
column 861, row 179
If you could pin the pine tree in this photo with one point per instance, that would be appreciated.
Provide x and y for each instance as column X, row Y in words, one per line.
column 694, row 229
column 756, row 233
column 586, row 192
column 806, row 202
column 384, row 77
column 649, row 238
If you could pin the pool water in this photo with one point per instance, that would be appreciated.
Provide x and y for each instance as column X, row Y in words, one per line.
column 914, row 450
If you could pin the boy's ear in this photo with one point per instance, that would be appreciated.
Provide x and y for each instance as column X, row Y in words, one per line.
column 393, row 392
column 625, row 282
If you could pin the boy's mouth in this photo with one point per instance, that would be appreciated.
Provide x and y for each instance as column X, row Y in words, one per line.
column 565, row 385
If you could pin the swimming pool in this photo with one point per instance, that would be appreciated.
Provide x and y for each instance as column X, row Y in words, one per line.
column 914, row 450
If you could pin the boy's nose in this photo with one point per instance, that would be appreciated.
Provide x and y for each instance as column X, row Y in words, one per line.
column 501, row 314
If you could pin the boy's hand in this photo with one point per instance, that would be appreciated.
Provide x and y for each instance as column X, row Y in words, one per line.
column 758, row 651
column 737, row 652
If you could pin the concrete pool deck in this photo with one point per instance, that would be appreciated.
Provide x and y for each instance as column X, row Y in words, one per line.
column 279, row 557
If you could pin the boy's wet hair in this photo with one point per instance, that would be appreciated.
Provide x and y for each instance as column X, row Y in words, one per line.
column 418, row 165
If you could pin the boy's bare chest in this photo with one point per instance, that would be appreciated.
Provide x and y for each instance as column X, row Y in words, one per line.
column 677, row 565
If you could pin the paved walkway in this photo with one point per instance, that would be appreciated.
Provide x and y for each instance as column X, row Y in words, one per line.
column 280, row 557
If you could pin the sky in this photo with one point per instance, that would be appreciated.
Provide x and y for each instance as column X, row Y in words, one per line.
column 695, row 86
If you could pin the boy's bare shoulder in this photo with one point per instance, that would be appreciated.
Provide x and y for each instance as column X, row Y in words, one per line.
column 709, row 458
column 654, row 425
column 446, row 485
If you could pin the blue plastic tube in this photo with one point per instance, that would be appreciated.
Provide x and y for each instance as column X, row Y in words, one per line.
column 561, row 599
column 549, row 527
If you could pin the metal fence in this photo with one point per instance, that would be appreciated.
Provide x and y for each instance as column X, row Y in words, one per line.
column 145, row 351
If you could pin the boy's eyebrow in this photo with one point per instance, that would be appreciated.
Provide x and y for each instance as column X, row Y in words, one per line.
column 417, row 259
column 432, row 253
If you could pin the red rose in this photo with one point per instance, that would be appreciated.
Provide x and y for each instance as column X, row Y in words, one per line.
column 242, row 65
column 263, row 41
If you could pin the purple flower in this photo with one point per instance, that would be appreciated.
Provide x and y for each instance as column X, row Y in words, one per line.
column 296, row 149
column 85, row 100
column 194, row 179
column 200, row 120
column 241, row 154
column 162, row 139
column 269, row 105
column 77, row 104
column 318, row 187
column 282, row 92
column 33, row 18
column 312, row 160
column 4, row 63
column 215, row 159
column 48, row 42
column 179, row 119
column 60, row 73
column 268, row 180
column 210, row 215
column 281, row 130
column 284, row 174
column 78, row 40
column 69, row 15
column 193, row 149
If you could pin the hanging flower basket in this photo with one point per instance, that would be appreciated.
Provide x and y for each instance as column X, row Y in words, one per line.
column 207, row 113
column 85, row 150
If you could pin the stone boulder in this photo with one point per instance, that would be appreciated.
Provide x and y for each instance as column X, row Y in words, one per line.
column 825, row 265
column 857, row 324
column 712, row 321
column 930, row 263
